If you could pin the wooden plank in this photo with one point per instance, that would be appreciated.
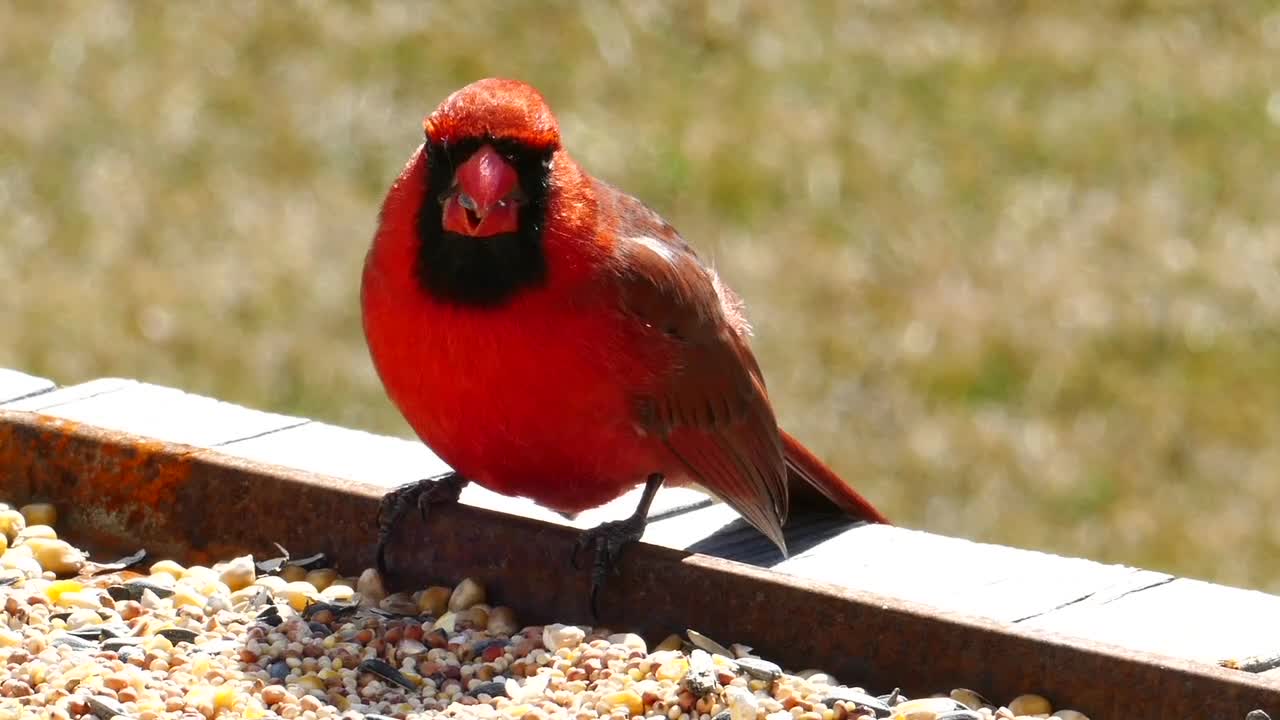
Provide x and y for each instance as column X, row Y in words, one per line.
column 15, row 385
column 389, row 462
column 1115, row 604
column 716, row 529
column 168, row 414
column 877, row 640
column 69, row 395
column 1183, row 618
column 318, row 447
column 957, row 575
column 688, row 529
column 948, row 573
column 670, row 502
column 737, row 540
column 156, row 412
column 386, row 462
column 681, row 517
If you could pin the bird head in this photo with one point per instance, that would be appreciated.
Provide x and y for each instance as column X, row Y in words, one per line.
column 493, row 139
column 488, row 157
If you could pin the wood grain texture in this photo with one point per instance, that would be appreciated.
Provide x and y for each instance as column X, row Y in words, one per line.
column 1124, row 606
column 386, row 462
column 341, row 452
column 389, row 462
column 69, row 395
column 959, row 575
column 156, row 412
column 696, row 525
column 1182, row 617
column 15, row 385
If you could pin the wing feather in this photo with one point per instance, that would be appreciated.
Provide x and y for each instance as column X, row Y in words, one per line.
column 713, row 411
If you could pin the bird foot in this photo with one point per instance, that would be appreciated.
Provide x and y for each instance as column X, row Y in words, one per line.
column 438, row 490
column 607, row 541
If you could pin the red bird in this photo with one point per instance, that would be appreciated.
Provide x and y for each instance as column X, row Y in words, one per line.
column 551, row 337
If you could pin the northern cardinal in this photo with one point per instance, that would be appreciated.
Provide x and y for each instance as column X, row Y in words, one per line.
column 551, row 337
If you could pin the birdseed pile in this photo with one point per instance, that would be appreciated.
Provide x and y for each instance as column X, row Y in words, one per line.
column 297, row 640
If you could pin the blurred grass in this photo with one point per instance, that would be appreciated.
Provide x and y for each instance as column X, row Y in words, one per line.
column 1014, row 266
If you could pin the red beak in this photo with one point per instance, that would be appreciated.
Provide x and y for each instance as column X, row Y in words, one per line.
column 483, row 204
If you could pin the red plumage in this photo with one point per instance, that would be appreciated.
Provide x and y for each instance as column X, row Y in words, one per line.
column 555, row 339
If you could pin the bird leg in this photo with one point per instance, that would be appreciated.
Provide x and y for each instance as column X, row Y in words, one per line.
column 439, row 490
column 608, row 540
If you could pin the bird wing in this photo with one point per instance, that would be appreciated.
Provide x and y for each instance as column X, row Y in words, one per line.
column 713, row 411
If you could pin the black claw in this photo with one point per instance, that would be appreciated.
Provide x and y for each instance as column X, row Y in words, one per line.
column 389, row 512
column 595, row 602
column 609, row 539
column 607, row 542
column 578, row 545
column 423, row 493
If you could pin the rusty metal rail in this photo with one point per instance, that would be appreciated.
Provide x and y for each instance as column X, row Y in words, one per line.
column 119, row 491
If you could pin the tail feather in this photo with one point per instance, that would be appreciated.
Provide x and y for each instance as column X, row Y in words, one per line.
column 804, row 465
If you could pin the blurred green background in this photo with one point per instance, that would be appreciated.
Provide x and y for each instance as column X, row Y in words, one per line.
column 1014, row 266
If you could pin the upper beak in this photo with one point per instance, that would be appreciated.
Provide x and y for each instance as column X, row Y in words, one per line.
column 485, row 198
column 484, row 180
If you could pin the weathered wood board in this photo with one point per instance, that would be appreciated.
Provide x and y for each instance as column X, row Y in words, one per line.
column 156, row 412
column 1125, row 606
column 15, row 385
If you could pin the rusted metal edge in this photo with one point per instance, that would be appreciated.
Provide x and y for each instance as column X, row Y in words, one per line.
column 197, row 504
